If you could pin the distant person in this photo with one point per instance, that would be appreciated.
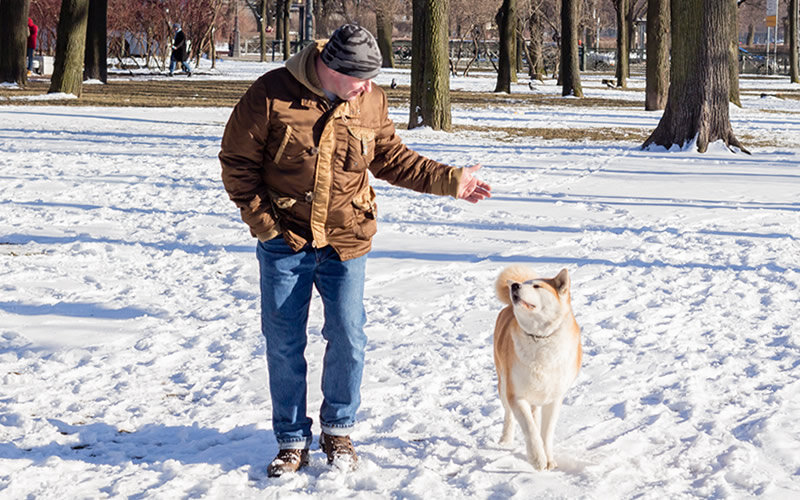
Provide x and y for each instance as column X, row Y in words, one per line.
column 179, row 53
column 33, row 31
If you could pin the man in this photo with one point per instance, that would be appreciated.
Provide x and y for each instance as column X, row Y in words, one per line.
column 295, row 159
column 33, row 31
column 179, row 53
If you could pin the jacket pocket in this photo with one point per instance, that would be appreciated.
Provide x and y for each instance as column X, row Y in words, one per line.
column 360, row 148
column 366, row 214
column 286, row 136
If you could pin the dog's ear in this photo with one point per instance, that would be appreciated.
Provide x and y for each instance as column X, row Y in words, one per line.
column 561, row 282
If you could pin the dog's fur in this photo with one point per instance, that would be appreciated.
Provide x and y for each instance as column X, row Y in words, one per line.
column 537, row 353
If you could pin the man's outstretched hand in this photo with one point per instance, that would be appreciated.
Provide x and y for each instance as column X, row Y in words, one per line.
column 471, row 188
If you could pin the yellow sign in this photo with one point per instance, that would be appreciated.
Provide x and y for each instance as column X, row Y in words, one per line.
column 772, row 21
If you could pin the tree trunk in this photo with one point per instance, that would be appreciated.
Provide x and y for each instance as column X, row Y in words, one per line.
column 622, row 43
column 697, row 106
column 385, row 26
column 751, row 35
column 70, row 47
column 279, row 19
column 507, row 31
column 657, row 84
column 14, row 41
column 733, row 53
column 570, row 72
column 793, row 63
column 430, row 78
column 95, row 65
column 262, row 30
column 536, row 27
column 287, row 42
column 519, row 49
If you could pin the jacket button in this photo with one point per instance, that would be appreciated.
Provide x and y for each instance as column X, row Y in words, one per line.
column 313, row 150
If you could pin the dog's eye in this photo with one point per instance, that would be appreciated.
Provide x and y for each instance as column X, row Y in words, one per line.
column 536, row 286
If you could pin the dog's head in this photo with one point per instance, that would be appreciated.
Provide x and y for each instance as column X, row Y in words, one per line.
column 541, row 301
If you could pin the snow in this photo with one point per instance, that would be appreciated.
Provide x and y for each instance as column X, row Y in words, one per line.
column 132, row 364
column 55, row 96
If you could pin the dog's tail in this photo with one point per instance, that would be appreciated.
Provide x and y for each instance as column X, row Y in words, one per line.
column 517, row 273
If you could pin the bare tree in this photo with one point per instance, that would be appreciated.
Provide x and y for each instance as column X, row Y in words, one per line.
column 70, row 47
column 534, row 50
column 733, row 52
column 430, row 78
column 658, row 40
column 13, row 40
column 697, row 105
column 287, row 42
column 623, row 43
column 260, row 10
column 794, row 73
column 570, row 74
column 384, row 21
column 95, row 64
column 507, row 28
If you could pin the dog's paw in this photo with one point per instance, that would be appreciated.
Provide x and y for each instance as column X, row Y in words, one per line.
column 538, row 463
column 505, row 440
column 551, row 464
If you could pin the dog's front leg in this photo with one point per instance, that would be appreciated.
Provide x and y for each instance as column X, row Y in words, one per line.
column 533, row 440
column 549, row 417
column 508, row 424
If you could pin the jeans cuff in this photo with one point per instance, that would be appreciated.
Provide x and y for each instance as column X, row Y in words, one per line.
column 296, row 444
column 338, row 430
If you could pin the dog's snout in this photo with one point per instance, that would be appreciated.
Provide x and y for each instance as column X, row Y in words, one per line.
column 514, row 287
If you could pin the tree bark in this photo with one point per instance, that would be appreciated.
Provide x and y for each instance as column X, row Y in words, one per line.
column 536, row 28
column 95, row 65
column 430, row 76
column 279, row 19
column 570, row 72
column 794, row 71
column 262, row 29
column 507, row 24
column 287, row 42
column 657, row 84
column 14, row 41
column 697, row 105
column 733, row 53
column 385, row 26
column 622, row 43
column 70, row 47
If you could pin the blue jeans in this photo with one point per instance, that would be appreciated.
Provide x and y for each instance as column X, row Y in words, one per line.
column 30, row 59
column 184, row 64
column 287, row 280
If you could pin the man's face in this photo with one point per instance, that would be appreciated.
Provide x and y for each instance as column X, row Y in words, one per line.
column 347, row 87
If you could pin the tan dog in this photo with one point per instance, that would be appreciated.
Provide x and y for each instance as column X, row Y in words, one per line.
column 537, row 353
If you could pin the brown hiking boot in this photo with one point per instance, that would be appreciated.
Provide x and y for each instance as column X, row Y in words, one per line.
column 339, row 450
column 287, row 461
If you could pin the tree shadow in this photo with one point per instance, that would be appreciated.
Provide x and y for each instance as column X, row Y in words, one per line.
column 567, row 261
column 103, row 444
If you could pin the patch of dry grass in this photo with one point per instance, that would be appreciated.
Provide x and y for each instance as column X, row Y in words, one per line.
column 185, row 92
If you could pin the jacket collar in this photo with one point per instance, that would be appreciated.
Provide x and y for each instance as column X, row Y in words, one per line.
column 302, row 67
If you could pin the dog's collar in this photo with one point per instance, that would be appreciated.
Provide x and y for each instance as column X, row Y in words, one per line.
column 538, row 337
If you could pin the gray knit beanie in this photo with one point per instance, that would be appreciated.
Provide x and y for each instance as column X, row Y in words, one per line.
column 353, row 51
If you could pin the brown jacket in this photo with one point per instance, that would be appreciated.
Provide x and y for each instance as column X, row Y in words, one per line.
column 296, row 165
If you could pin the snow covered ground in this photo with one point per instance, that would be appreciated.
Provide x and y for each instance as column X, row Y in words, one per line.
column 132, row 364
